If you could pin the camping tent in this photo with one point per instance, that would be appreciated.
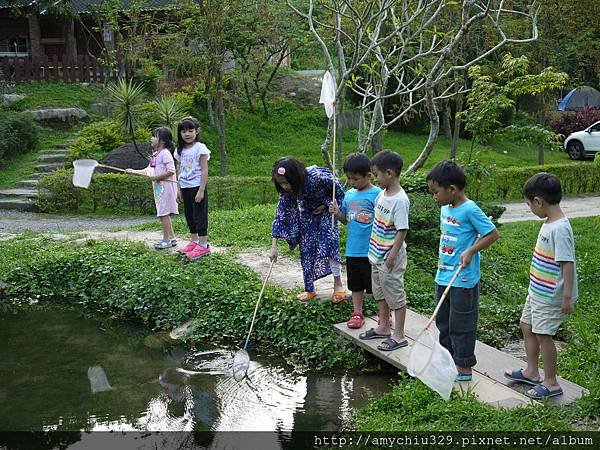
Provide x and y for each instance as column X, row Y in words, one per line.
column 579, row 98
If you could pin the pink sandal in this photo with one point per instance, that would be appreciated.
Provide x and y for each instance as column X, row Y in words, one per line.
column 357, row 320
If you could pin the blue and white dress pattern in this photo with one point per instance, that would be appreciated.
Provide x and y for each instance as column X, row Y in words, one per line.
column 294, row 221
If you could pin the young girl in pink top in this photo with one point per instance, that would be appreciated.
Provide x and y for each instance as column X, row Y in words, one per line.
column 164, row 183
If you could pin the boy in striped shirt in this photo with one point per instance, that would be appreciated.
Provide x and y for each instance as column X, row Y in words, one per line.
column 552, row 285
column 387, row 251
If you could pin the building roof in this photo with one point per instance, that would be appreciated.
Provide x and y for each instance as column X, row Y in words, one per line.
column 14, row 3
column 83, row 6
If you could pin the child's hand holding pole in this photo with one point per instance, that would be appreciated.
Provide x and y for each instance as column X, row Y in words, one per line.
column 335, row 211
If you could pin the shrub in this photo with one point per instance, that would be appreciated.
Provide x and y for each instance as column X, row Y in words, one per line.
column 504, row 184
column 19, row 134
column 95, row 140
column 576, row 121
column 149, row 74
column 57, row 193
column 118, row 193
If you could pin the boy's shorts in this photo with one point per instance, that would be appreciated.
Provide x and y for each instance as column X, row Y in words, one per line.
column 544, row 318
column 388, row 285
column 358, row 270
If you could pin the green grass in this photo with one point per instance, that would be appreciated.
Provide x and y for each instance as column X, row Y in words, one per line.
column 254, row 143
column 57, row 95
column 21, row 167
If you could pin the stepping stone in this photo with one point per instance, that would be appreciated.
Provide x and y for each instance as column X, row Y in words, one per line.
column 51, row 167
column 37, row 175
column 30, row 184
column 65, row 146
column 17, row 203
column 52, row 158
column 53, row 151
column 27, row 193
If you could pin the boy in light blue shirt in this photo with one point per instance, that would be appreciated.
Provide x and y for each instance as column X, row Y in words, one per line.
column 357, row 210
column 465, row 231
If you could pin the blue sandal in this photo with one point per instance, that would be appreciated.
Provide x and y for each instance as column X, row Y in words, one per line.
column 464, row 377
column 541, row 392
column 517, row 375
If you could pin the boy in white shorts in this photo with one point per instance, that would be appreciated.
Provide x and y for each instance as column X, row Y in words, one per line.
column 552, row 286
column 387, row 251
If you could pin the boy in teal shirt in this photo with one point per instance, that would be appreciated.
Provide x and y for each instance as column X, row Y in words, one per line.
column 357, row 211
column 465, row 231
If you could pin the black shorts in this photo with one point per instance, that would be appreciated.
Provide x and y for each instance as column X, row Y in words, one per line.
column 358, row 269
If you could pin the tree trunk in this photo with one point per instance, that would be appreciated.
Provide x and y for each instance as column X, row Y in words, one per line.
column 265, row 104
column 457, row 123
column 34, row 36
column 249, row 98
column 446, row 113
column 70, row 40
column 377, row 138
column 326, row 143
column 209, row 104
column 434, row 121
column 220, row 121
column 363, row 140
column 339, row 110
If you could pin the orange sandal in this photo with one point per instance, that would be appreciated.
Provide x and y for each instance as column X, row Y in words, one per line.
column 306, row 296
column 338, row 297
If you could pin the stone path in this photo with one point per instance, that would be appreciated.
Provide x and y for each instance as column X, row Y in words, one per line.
column 20, row 197
column 14, row 222
column 573, row 206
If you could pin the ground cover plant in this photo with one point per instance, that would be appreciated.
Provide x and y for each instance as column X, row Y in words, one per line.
column 129, row 282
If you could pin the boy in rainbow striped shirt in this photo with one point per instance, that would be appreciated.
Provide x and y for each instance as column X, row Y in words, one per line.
column 552, row 286
column 387, row 251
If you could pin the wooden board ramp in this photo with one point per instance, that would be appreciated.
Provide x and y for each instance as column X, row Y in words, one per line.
column 488, row 384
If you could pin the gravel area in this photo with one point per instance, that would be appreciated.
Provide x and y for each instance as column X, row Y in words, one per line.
column 16, row 221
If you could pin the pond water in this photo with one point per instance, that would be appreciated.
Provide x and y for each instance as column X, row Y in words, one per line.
column 62, row 370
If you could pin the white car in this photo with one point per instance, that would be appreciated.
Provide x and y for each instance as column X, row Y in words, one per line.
column 584, row 143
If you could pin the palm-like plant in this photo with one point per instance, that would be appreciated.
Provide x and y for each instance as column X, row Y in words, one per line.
column 169, row 111
column 126, row 99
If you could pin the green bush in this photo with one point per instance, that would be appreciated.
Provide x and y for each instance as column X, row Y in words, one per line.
column 149, row 74
column 507, row 183
column 95, row 140
column 59, row 194
column 19, row 134
column 119, row 193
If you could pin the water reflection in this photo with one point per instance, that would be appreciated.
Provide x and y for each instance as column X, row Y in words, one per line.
column 157, row 389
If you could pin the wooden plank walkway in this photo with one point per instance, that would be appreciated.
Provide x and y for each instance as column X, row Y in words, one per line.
column 489, row 383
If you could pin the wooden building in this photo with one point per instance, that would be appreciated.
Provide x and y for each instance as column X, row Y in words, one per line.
column 29, row 28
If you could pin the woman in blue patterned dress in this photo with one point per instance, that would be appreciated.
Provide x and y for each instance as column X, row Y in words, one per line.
column 302, row 219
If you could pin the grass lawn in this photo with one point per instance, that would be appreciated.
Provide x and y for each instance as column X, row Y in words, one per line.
column 254, row 142
column 57, row 95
